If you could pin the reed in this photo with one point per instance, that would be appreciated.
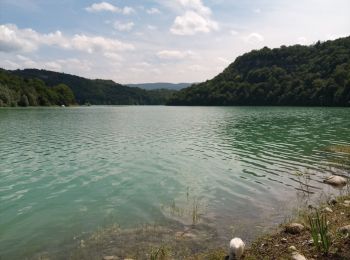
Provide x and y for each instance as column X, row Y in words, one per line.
column 319, row 232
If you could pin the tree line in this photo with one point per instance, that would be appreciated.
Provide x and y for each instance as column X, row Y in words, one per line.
column 316, row 75
column 18, row 91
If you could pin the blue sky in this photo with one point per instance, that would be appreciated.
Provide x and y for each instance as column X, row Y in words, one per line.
column 157, row 40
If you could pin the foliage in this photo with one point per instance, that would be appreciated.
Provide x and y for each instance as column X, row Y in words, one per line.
column 319, row 232
column 316, row 75
column 17, row 91
column 98, row 91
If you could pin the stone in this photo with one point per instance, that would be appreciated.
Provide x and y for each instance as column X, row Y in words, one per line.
column 292, row 248
column 294, row 228
column 345, row 230
column 189, row 235
column 110, row 257
column 327, row 209
column 297, row 256
column 284, row 240
column 335, row 180
column 347, row 202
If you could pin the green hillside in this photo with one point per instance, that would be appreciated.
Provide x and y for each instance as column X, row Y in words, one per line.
column 316, row 75
column 17, row 91
column 97, row 91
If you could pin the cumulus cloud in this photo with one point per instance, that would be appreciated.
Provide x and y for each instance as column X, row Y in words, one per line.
column 123, row 27
column 107, row 7
column 254, row 38
column 13, row 39
column 153, row 11
column 196, row 19
column 10, row 41
column 174, row 54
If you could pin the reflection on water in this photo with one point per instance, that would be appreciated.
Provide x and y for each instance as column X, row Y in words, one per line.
column 68, row 171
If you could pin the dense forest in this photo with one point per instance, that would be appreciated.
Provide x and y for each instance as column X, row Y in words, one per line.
column 17, row 91
column 316, row 75
column 86, row 91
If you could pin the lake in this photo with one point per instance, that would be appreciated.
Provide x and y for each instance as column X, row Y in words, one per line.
column 65, row 172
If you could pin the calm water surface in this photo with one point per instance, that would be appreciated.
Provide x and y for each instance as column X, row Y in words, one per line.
column 71, row 170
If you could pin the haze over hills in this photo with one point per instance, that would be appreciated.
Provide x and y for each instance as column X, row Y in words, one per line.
column 315, row 75
column 161, row 85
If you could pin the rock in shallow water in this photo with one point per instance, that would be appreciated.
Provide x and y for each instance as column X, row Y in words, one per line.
column 336, row 180
column 294, row 228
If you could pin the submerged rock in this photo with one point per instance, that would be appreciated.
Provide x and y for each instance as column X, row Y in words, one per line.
column 294, row 228
column 336, row 180
column 297, row 256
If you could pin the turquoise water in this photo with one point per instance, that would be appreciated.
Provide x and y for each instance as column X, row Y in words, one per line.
column 66, row 171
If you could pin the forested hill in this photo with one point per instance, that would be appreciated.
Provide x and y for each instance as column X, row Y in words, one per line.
column 316, row 75
column 17, row 91
column 97, row 91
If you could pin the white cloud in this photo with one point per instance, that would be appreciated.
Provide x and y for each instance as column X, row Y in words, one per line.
column 174, row 54
column 123, row 27
column 302, row 40
column 97, row 44
column 128, row 10
column 153, row 11
column 195, row 5
column 191, row 23
column 257, row 10
column 151, row 27
column 113, row 56
column 233, row 32
column 254, row 38
column 13, row 39
column 107, row 7
column 223, row 60
column 103, row 6
column 196, row 19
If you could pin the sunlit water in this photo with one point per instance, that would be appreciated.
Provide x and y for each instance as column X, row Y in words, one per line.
column 64, row 171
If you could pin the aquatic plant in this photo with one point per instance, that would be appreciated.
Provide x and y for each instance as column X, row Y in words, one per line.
column 319, row 232
column 159, row 254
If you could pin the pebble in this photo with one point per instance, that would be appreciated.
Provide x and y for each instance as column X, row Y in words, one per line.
column 189, row 235
column 336, row 180
column 292, row 248
column 327, row 209
column 297, row 256
column 294, row 228
column 110, row 257
column 284, row 240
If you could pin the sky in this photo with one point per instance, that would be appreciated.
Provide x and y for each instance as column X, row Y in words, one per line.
column 157, row 40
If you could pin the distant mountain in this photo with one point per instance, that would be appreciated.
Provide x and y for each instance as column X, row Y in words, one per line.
column 316, row 75
column 150, row 86
column 98, row 91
